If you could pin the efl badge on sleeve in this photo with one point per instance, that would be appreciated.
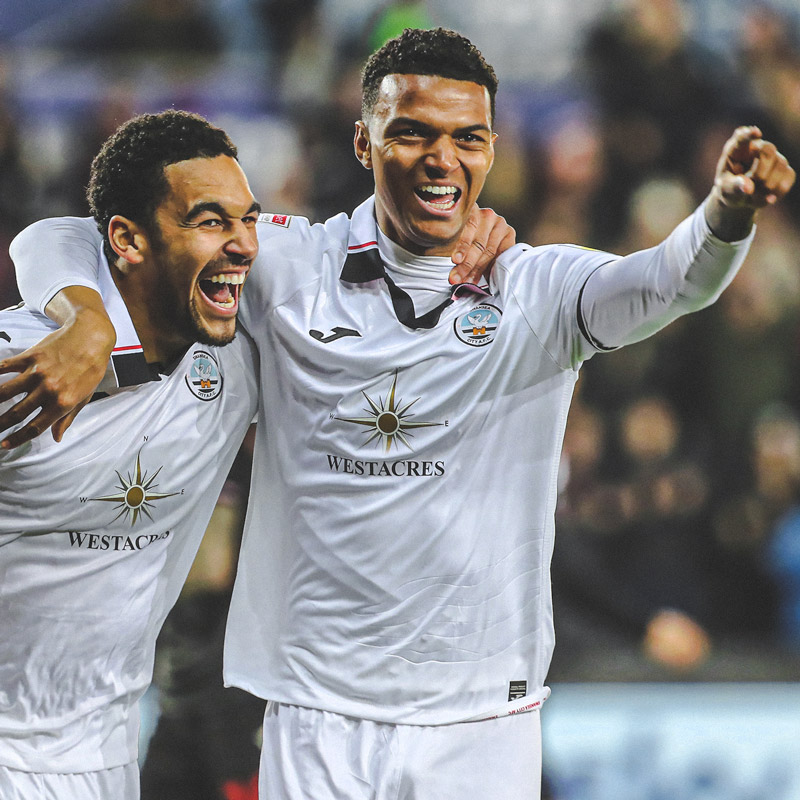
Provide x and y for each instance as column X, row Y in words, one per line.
column 276, row 219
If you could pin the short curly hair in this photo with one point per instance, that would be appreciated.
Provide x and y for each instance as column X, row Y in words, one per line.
column 127, row 175
column 440, row 52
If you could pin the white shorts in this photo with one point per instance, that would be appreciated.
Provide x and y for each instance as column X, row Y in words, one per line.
column 317, row 755
column 119, row 783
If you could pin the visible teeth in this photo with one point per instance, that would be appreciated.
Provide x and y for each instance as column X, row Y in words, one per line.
column 229, row 303
column 232, row 277
column 439, row 189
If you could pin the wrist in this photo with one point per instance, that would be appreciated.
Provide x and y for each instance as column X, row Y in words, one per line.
column 96, row 330
column 729, row 223
column 80, row 309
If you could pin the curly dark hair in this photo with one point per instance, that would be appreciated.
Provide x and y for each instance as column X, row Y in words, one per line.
column 440, row 52
column 127, row 175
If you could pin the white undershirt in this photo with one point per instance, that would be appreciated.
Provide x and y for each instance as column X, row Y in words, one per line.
column 425, row 279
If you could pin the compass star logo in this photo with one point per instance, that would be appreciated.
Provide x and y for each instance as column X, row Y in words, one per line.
column 135, row 495
column 388, row 420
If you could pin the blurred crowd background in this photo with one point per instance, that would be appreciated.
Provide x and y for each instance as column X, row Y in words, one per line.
column 678, row 547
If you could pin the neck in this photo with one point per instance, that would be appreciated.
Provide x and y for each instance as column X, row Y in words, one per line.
column 385, row 226
column 395, row 255
column 160, row 342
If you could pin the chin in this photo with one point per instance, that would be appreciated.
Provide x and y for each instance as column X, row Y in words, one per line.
column 437, row 239
column 215, row 335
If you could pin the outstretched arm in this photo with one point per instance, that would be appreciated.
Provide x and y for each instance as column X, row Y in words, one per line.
column 630, row 298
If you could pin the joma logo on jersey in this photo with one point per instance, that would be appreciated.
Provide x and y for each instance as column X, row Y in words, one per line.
column 204, row 378
column 477, row 327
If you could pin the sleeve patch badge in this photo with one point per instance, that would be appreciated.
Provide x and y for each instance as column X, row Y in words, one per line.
column 276, row 219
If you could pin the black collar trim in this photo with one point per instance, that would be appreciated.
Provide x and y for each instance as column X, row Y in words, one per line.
column 363, row 264
column 130, row 368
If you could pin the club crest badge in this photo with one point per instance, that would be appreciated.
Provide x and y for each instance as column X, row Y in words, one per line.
column 478, row 326
column 204, row 378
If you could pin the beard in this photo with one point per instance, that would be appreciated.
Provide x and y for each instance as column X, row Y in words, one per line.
column 184, row 318
column 195, row 325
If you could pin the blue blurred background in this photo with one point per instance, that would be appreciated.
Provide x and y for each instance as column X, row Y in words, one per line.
column 677, row 568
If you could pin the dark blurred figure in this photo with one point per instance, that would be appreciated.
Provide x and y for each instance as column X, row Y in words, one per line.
column 328, row 178
column 68, row 189
column 286, row 22
column 144, row 28
column 629, row 572
column 756, row 586
column 769, row 69
column 206, row 744
column 16, row 198
column 653, row 98
column 568, row 187
column 750, row 353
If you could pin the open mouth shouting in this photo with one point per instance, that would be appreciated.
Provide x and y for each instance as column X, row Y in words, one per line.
column 223, row 289
column 438, row 198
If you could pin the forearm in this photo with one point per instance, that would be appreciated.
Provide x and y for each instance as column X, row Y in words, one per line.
column 57, row 376
column 81, row 309
column 631, row 298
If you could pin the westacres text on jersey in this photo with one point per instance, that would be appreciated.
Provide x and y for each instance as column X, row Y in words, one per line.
column 385, row 469
column 114, row 542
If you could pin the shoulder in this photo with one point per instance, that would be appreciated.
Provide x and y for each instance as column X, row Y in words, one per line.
column 241, row 352
column 80, row 231
column 526, row 256
column 293, row 252
column 279, row 230
column 553, row 264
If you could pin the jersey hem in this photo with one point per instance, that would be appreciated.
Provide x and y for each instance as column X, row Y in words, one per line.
column 388, row 714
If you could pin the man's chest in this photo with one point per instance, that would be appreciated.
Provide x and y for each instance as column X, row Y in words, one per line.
column 130, row 457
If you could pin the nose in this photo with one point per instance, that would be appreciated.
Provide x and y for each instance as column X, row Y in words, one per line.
column 442, row 157
column 243, row 242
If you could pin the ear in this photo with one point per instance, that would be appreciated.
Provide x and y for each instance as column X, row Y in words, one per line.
column 128, row 239
column 362, row 145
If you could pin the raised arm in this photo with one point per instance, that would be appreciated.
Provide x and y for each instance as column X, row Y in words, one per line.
column 628, row 299
column 56, row 262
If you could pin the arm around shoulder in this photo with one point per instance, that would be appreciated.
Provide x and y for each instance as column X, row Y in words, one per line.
column 53, row 253
column 60, row 373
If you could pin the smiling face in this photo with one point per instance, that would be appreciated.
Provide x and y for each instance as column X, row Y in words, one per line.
column 430, row 144
column 201, row 251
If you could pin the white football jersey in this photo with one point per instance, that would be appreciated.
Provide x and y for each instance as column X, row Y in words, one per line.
column 97, row 535
column 395, row 564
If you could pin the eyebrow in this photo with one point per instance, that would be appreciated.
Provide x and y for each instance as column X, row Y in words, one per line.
column 216, row 208
column 418, row 123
